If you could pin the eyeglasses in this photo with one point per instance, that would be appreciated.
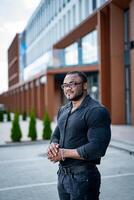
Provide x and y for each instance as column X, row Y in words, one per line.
column 70, row 85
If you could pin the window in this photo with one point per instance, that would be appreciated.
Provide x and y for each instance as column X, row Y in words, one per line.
column 100, row 2
column 69, row 19
column 86, row 8
column 71, row 54
column 89, row 48
column 74, row 16
column 80, row 10
column 93, row 88
column 64, row 24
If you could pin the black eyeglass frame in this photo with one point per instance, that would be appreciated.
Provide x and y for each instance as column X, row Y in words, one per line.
column 70, row 85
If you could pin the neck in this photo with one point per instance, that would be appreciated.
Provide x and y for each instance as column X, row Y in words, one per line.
column 77, row 103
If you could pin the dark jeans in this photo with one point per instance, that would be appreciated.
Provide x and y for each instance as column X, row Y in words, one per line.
column 78, row 183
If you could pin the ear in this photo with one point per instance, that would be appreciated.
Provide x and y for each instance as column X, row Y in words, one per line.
column 85, row 86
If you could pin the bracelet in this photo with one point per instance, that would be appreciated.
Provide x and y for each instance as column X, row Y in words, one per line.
column 62, row 154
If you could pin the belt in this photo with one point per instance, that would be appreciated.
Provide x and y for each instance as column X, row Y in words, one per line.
column 75, row 169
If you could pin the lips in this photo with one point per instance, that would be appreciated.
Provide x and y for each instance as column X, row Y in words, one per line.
column 68, row 94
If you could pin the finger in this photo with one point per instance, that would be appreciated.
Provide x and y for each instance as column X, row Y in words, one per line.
column 55, row 147
column 50, row 154
column 53, row 150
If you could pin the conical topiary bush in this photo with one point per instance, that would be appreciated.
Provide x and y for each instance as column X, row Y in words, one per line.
column 24, row 116
column 46, row 127
column 15, row 130
column 1, row 116
column 32, row 132
column 8, row 116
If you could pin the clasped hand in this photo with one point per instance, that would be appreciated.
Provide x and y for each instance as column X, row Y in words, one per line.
column 53, row 152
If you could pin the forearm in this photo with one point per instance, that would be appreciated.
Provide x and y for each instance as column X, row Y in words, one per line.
column 71, row 153
column 62, row 154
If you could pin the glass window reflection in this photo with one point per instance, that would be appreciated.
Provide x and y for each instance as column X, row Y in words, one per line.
column 89, row 48
column 71, row 54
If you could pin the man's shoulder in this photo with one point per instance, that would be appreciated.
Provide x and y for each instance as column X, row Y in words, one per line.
column 95, row 111
column 94, row 106
column 92, row 103
column 65, row 107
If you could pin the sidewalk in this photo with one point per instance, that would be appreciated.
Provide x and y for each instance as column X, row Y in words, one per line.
column 122, row 135
column 5, row 132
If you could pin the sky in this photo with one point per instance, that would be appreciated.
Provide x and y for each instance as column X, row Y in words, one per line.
column 14, row 15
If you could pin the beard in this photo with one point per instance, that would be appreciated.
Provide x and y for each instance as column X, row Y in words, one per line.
column 77, row 97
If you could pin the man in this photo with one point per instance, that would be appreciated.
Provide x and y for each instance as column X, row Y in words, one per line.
column 79, row 141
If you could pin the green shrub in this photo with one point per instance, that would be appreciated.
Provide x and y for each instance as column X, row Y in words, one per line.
column 32, row 132
column 46, row 127
column 8, row 116
column 24, row 116
column 1, row 116
column 15, row 130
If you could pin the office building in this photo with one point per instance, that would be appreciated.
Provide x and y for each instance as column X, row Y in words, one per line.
column 94, row 36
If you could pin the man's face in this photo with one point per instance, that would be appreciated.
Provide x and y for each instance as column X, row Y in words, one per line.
column 73, row 87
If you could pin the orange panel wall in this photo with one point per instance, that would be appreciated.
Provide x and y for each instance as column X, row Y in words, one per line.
column 50, row 95
column 132, row 57
column 104, row 57
column 117, row 65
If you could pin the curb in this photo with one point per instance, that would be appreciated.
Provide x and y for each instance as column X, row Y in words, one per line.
column 24, row 143
column 126, row 147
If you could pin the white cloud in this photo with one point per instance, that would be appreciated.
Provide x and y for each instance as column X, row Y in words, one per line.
column 30, row 4
column 3, row 77
column 14, row 27
column 14, row 16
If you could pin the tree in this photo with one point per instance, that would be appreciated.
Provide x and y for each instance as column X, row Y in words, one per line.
column 24, row 116
column 8, row 116
column 15, row 130
column 32, row 133
column 1, row 116
column 46, row 127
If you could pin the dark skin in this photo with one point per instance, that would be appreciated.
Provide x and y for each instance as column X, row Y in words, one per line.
column 75, row 95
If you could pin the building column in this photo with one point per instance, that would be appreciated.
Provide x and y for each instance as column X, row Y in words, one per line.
column 37, row 103
column 104, row 58
column 21, row 100
column 40, row 98
column 35, row 89
column 26, row 97
column 117, row 65
column 31, row 105
column 132, row 58
column 50, row 95
column 17, row 100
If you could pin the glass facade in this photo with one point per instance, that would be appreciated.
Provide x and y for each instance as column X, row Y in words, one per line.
column 99, row 3
column 22, row 55
column 83, row 52
column 89, row 48
column 50, row 22
column 71, row 54
column 93, row 85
